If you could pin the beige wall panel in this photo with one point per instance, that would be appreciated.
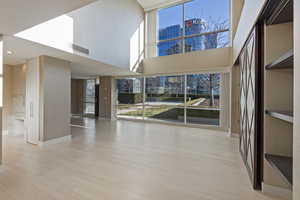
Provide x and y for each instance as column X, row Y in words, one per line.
column 56, row 86
column 209, row 60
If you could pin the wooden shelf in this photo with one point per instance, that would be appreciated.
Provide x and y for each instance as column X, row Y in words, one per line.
column 283, row 165
column 282, row 12
column 284, row 62
column 285, row 116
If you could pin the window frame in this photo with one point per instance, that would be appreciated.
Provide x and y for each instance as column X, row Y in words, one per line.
column 185, row 107
column 184, row 36
column 85, row 96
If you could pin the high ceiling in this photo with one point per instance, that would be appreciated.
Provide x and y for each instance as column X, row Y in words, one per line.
column 16, row 15
column 151, row 4
column 81, row 66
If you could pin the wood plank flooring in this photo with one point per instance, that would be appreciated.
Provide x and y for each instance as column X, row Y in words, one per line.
column 125, row 160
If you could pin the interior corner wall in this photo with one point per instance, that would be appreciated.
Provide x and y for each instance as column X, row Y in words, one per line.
column 213, row 60
column 106, row 29
column 56, row 98
column 77, row 95
column 296, row 140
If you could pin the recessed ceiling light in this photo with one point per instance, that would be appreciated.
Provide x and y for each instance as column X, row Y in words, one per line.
column 9, row 52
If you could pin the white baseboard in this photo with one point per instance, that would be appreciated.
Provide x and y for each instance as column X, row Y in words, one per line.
column 56, row 140
column 278, row 192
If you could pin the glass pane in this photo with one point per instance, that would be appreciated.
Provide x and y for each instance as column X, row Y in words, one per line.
column 90, row 88
column 165, row 90
column 170, row 22
column 169, row 47
column 211, row 41
column 203, row 116
column 89, row 108
column 89, row 97
column 164, row 113
column 206, row 16
column 203, row 90
column 164, row 98
column 130, row 97
column 130, row 111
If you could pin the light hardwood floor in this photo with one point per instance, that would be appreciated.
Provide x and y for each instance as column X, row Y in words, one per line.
column 127, row 161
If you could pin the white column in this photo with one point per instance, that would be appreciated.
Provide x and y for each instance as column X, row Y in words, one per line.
column 151, row 18
column 225, row 101
column 114, row 99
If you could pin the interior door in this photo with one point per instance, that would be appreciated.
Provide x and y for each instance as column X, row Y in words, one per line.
column 32, row 102
column 250, row 108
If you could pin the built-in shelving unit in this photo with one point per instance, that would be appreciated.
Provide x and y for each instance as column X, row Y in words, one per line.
column 282, row 115
column 282, row 165
column 283, row 62
column 282, row 12
column 278, row 94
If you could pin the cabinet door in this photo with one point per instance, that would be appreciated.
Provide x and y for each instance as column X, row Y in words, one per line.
column 249, row 109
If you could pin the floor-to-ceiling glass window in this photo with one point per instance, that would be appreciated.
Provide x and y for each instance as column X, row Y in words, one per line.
column 190, row 99
column 202, row 99
column 164, row 98
column 193, row 26
column 130, row 98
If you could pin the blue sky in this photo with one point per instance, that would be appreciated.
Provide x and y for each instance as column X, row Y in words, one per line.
column 218, row 10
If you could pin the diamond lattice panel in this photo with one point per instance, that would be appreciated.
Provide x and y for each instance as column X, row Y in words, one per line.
column 247, row 102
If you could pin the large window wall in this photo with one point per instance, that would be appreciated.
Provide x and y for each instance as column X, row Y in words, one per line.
column 189, row 99
column 193, row 26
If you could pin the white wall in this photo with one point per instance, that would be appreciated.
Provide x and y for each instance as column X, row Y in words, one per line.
column 56, row 33
column 296, row 156
column 249, row 16
column 106, row 29
column 236, row 10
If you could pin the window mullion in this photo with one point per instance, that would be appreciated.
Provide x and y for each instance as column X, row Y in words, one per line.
column 183, row 28
column 185, row 95
column 144, row 96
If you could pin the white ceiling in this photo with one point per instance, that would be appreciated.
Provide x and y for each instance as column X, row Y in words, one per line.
column 152, row 4
column 81, row 66
column 18, row 15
